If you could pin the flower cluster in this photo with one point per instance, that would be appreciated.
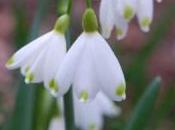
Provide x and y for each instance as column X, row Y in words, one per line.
column 119, row 13
column 90, row 65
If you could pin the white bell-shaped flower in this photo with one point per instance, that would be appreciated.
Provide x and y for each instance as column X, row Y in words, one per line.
column 90, row 66
column 107, row 18
column 90, row 116
column 119, row 13
column 40, row 59
column 111, row 17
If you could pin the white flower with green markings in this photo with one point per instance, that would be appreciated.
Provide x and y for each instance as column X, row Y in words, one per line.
column 91, row 66
column 40, row 59
column 119, row 13
column 88, row 116
column 110, row 17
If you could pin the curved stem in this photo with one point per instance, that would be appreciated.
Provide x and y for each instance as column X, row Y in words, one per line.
column 89, row 3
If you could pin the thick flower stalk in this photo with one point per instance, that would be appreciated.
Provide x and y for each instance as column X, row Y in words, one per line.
column 90, row 66
column 119, row 13
column 40, row 59
column 89, row 116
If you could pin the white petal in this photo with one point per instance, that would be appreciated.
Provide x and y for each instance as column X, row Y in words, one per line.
column 67, row 70
column 27, row 65
column 145, row 14
column 87, row 115
column 127, row 8
column 34, row 73
column 107, row 106
column 107, row 17
column 57, row 124
column 108, row 69
column 121, row 27
column 85, row 84
column 21, row 57
column 54, row 56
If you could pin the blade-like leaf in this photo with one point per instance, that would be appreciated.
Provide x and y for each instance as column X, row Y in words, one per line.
column 143, row 109
column 23, row 113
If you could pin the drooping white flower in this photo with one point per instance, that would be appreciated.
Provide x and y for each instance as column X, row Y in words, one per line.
column 88, row 116
column 120, row 12
column 110, row 17
column 90, row 66
column 40, row 59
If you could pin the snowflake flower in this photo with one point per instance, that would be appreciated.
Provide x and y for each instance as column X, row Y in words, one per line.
column 90, row 66
column 119, row 13
column 40, row 59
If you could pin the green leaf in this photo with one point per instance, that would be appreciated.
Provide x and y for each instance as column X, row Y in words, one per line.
column 22, row 116
column 136, row 72
column 143, row 109
column 45, row 109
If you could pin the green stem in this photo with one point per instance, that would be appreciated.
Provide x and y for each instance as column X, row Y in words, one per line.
column 68, row 101
column 89, row 3
column 69, row 7
column 68, row 98
column 69, row 111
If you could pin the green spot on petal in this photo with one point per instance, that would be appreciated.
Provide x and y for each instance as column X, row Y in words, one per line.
column 119, row 32
column 120, row 90
column 145, row 22
column 128, row 13
column 29, row 77
column 53, row 85
column 10, row 61
column 92, row 127
column 84, row 96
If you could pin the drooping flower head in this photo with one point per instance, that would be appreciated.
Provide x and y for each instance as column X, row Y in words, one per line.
column 119, row 13
column 40, row 59
column 88, row 116
column 90, row 65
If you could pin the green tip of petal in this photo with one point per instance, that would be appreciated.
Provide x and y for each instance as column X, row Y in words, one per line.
column 84, row 96
column 53, row 85
column 120, row 90
column 128, row 13
column 62, row 24
column 145, row 22
column 119, row 32
column 29, row 78
column 10, row 61
column 90, row 23
column 92, row 127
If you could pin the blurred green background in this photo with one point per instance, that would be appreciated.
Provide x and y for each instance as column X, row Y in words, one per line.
column 145, row 57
